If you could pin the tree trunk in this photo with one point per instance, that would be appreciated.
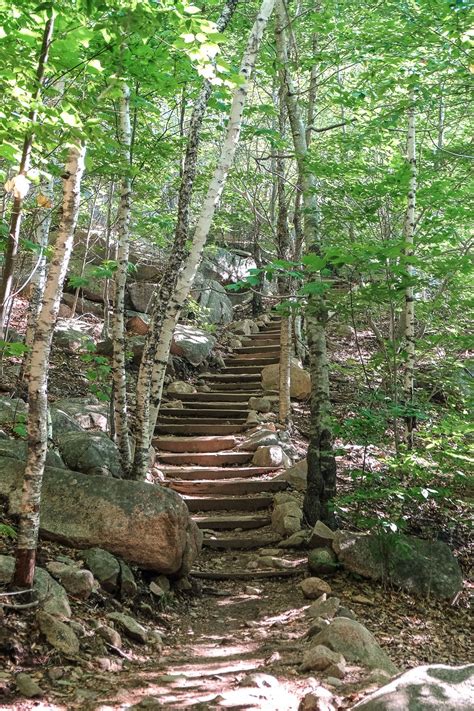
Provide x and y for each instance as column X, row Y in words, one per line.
column 119, row 376
column 181, row 271
column 20, row 183
column 285, row 371
column 321, row 462
column 38, row 280
column 38, row 374
column 409, row 317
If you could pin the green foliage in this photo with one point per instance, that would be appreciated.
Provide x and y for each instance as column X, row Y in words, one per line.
column 6, row 531
column 98, row 374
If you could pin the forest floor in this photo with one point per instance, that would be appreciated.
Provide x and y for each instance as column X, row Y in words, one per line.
column 239, row 644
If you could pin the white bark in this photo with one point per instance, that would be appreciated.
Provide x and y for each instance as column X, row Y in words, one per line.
column 119, row 378
column 38, row 372
column 321, row 462
column 285, row 371
column 409, row 233
column 38, row 280
column 153, row 368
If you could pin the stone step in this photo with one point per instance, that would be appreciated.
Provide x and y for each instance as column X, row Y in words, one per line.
column 261, row 349
column 251, row 575
column 217, row 404
column 205, row 413
column 251, row 359
column 241, row 369
column 214, row 420
column 211, row 459
column 197, row 473
column 232, row 521
column 232, row 543
column 233, row 377
column 228, row 503
column 194, row 444
column 233, row 487
column 223, row 386
column 199, row 429
column 217, row 397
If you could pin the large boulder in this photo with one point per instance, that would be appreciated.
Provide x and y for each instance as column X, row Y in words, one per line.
column 356, row 643
column 296, row 475
column 83, row 306
column 141, row 295
column 245, row 327
column 287, row 517
column 300, row 380
column 213, row 299
column 428, row 688
column 18, row 449
column 226, row 266
column 71, row 339
column 271, row 456
column 87, row 412
column 192, row 344
column 90, row 453
column 145, row 524
column 12, row 410
column 419, row 566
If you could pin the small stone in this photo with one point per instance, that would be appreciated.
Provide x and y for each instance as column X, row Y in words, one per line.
column 183, row 585
column 260, row 404
column 109, row 635
column 58, row 634
column 55, row 673
column 78, row 628
column 78, row 582
column 346, row 612
column 104, row 566
column 319, row 658
column 27, row 686
column 249, row 590
column 128, row 586
column 321, row 536
column 325, row 608
column 314, row 587
column 322, row 560
column 319, row 700
column 129, row 626
column 297, row 540
column 316, row 626
column 179, row 387
column 336, row 671
column 155, row 639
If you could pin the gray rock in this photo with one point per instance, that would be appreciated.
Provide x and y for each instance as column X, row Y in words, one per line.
column 325, row 608
column 141, row 294
column 130, row 627
column 87, row 412
column 59, row 635
column 92, row 453
column 356, row 643
column 128, row 586
column 313, row 588
column 142, row 523
column 62, row 422
column 416, row 565
column 226, row 266
column 260, row 404
column 214, row 301
column 12, row 410
column 110, row 635
column 320, row 699
column 319, row 658
column 296, row 475
column 104, row 566
column 271, row 456
column 322, row 560
column 426, row 688
column 83, row 306
column 18, row 448
column 245, row 327
column 260, row 438
column 27, row 686
column 51, row 595
column 179, row 387
column 77, row 582
column 300, row 380
column 287, row 518
column 71, row 339
column 346, row 612
column 297, row 540
column 192, row 344
column 321, row 536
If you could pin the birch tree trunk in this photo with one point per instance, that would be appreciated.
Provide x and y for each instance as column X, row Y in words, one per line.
column 119, row 376
column 38, row 374
column 181, row 271
column 321, row 461
column 20, row 183
column 409, row 319
column 38, row 280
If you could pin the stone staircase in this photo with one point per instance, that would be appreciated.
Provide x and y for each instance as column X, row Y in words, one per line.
column 199, row 449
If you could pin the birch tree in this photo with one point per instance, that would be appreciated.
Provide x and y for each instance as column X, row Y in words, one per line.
column 177, row 281
column 409, row 316
column 321, row 462
column 19, row 184
column 29, row 516
column 119, row 377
